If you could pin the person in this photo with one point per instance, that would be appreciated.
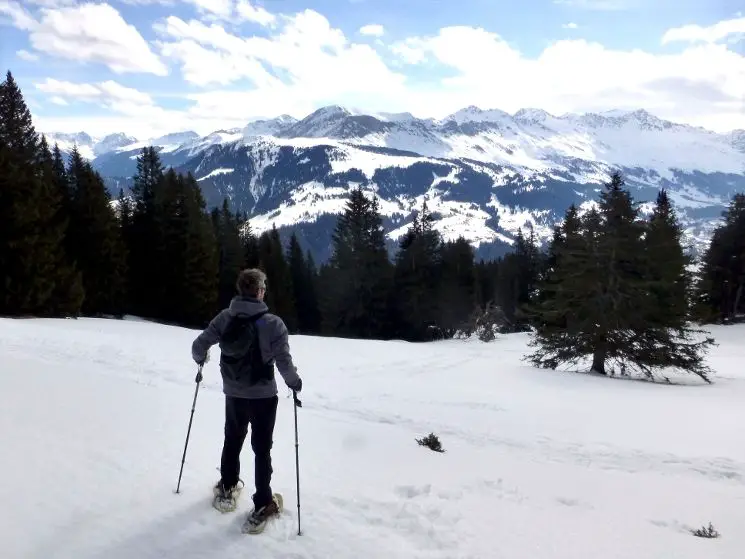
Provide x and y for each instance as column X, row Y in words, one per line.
column 251, row 341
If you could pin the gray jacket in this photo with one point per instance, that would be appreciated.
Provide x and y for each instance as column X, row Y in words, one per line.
column 273, row 341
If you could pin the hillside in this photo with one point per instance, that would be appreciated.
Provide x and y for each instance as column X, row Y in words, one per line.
column 485, row 174
column 539, row 464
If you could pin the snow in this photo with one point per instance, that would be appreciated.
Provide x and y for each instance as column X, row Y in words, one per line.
column 539, row 464
column 219, row 171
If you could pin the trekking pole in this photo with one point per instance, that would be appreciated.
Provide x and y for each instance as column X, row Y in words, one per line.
column 198, row 379
column 297, row 404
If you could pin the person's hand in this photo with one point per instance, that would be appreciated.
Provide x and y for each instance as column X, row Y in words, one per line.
column 198, row 379
column 298, row 386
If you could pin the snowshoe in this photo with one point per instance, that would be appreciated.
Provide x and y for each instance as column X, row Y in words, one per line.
column 226, row 498
column 256, row 520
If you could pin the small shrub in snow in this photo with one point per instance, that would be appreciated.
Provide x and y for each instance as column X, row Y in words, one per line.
column 432, row 442
column 706, row 532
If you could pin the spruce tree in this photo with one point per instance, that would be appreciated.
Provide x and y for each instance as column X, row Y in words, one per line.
column 720, row 289
column 37, row 276
column 302, row 274
column 96, row 242
column 457, row 294
column 279, row 293
column 230, row 250
column 417, row 280
column 200, row 281
column 596, row 298
column 358, row 278
column 145, row 241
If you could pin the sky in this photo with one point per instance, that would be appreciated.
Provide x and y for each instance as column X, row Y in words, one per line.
column 148, row 67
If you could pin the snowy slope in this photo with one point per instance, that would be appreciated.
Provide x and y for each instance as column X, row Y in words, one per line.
column 539, row 464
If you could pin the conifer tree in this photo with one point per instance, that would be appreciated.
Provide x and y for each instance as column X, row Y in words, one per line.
column 96, row 241
column 720, row 289
column 457, row 295
column 357, row 281
column 668, row 278
column 417, row 279
column 250, row 244
column 279, row 293
column 303, row 286
column 37, row 277
column 230, row 250
column 201, row 278
column 596, row 296
column 145, row 241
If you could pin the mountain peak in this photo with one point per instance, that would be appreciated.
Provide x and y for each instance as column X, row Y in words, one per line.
column 475, row 114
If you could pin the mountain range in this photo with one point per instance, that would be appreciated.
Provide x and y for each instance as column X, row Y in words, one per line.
column 485, row 174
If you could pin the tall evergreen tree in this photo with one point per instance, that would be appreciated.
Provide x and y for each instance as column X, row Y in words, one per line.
column 145, row 241
column 37, row 278
column 417, row 279
column 457, row 295
column 597, row 289
column 279, row 293
column 357, row 280
column 303, row 287
column 96, row 240
column 720, row 290
column 231, row 252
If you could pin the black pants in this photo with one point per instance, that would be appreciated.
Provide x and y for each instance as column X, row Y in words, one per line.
column 261, row 415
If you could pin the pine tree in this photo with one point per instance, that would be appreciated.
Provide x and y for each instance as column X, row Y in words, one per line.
column 302, row 273
column 669, row 280
column 279, row 294
column 457, row 295
column 357, row 280
column 417, row 279
column 146, row 256
column 250, row 244
column 200, row 257
column 37, row 277
column 720, row 290
column 596, row 295
column 230, row 250
column 95, row 239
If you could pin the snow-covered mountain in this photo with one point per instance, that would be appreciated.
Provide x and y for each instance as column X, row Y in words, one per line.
column 485, row 173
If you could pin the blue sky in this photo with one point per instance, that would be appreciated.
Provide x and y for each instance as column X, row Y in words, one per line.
column 146, row 67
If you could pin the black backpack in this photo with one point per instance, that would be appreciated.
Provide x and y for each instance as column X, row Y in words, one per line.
column 240, row 358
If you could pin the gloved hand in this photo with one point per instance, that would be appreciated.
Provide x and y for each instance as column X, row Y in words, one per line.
column 205, row 360
column 298, row 386
column 198, row 379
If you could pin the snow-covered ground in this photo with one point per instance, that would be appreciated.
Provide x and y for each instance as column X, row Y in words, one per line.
column 539, row 464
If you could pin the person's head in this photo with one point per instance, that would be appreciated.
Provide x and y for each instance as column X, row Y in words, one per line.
column 252, row 283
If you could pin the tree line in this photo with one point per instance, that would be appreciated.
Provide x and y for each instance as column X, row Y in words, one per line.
column 611, row 284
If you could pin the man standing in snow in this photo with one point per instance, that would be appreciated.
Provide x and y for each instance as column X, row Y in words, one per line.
column 251, row 341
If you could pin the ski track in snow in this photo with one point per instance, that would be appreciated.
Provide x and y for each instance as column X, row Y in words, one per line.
column 538, row 464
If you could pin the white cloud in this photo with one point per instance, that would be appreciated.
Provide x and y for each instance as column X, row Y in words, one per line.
column 373, row 30
column 577, row 76
column 106, row 92
column 317, row 61
column 220, row 8
column 26, row 55
column 248, row 12
column 17, row 14
column 570, row 25
column 711, row 34
column 61, row 101
column 303, row 62
column 92, row 33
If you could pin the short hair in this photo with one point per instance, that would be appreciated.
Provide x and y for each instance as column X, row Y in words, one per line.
column 250, row 282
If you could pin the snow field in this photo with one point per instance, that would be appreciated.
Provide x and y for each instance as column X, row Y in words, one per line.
column 538, row 464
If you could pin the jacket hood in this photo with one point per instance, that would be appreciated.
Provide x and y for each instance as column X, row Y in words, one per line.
column 244, row 306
